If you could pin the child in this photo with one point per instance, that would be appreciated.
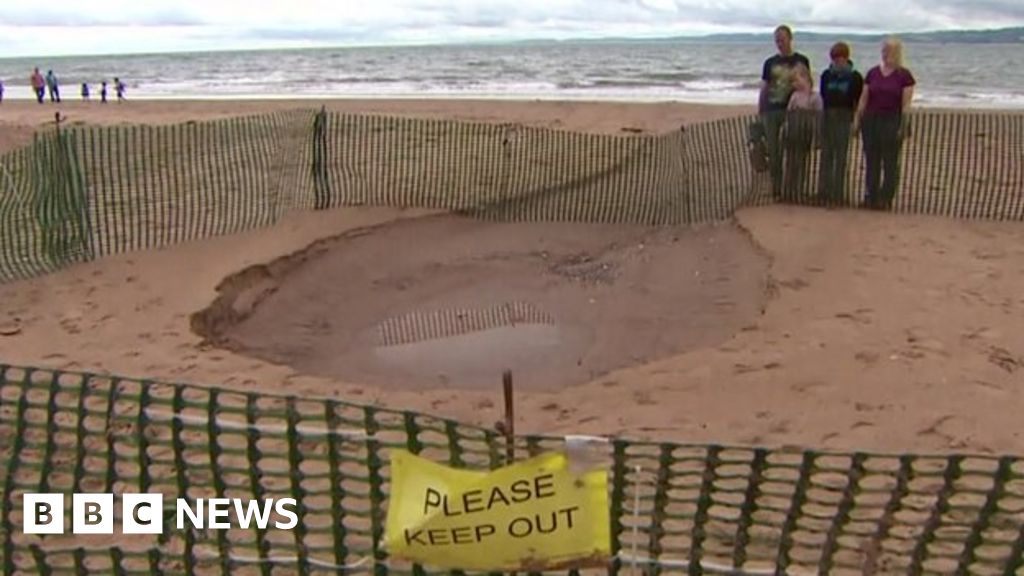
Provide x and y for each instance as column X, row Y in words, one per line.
column 802, row 120
column 85, row 91
column 103, row 92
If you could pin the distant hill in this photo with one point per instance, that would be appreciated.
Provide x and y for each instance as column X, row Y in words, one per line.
column 999, row 36
column 994, row 36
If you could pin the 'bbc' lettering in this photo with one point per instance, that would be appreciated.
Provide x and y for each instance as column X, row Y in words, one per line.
column 145, row 514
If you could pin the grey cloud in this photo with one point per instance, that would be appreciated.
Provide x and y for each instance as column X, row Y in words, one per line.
column 582, row 16
column 1010, row 10
column 49, row 17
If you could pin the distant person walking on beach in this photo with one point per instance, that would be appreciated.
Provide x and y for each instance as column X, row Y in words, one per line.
column 776, row 89
column 38, row 85
column 120, row 88
column 103, row 92
column 52, row 84
column 883, row 122
column 1, row 91
column 85, row 91
column 841, row 88
column 803, row 121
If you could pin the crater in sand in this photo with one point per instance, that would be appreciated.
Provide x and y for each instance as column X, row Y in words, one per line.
column 448, row 301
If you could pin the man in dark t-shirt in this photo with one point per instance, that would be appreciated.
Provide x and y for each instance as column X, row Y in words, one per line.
column 776, row 88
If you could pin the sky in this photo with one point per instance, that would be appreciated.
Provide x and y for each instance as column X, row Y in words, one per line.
column 59, row 27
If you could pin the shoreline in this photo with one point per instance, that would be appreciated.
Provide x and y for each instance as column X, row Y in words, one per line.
column 584, row 98
column 19, row 119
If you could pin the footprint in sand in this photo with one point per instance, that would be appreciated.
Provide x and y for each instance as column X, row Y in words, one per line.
column 935, row 428
column 70, row 325
column 1004, row 359
column 10, row 328
column 725, row 304
column 988, row 254
column 920, row 346
column 644, row 399
column 867, row 358
column 796, row 285
column 860, row 316
column 739, row 369
column 982, row 333
column 990, row 388
column 808, row 386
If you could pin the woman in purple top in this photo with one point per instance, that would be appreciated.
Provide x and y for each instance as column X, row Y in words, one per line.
column 882, row 119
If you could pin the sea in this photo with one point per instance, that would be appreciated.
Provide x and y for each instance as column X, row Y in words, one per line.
column 948, row 74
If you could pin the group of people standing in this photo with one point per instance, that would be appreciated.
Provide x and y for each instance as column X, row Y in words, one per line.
column 49, row 83
column 793, row 119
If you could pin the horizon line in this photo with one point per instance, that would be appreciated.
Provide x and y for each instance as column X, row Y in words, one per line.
column 527, row 40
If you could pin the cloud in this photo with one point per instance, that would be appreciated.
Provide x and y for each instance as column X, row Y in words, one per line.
column 74, row 26
column 129, row 15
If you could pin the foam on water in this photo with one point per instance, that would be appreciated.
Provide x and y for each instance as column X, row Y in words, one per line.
column 949, row 75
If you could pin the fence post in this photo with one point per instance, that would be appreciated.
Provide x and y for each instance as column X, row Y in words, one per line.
column 321, row 185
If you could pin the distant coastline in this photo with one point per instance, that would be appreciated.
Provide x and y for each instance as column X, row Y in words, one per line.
column 1013, row 35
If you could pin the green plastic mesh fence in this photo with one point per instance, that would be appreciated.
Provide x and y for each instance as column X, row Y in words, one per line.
column 86, row 192
column 675, row 507
column 150, row 186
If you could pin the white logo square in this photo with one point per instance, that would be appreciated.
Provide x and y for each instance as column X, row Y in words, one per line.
column 142, row 513
column 43, row 513
column 92, row 514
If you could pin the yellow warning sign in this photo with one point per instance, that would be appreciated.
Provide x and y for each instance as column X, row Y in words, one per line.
column 538, row 514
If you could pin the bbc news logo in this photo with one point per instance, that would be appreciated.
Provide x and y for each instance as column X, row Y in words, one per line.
column 144, row 514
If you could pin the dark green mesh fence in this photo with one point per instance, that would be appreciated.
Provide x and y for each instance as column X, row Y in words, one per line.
column 675, row 507
column 85, row 192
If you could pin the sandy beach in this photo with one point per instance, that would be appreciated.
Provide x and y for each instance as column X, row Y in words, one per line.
column 867, row 331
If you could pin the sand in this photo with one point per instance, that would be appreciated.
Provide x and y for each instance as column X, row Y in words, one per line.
column 877, row 332
column 559, row 304
column 17, row 118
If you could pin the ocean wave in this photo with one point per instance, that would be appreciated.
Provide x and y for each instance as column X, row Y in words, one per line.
column 624, row 71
